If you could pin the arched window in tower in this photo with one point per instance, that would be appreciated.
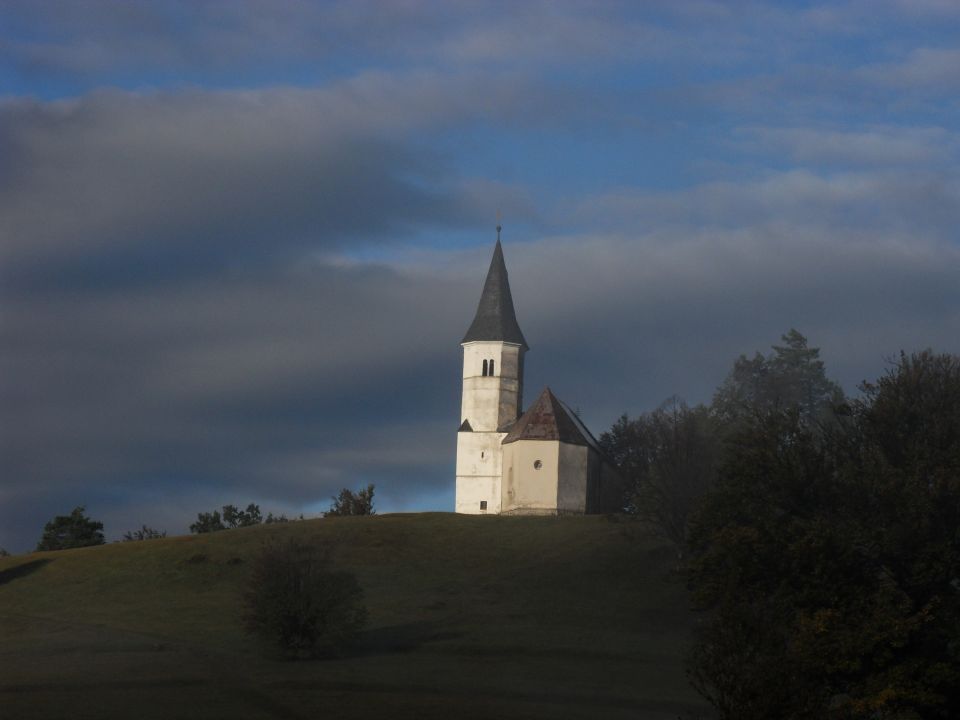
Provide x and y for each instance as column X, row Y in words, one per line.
column 491, row 367
column 484, row 368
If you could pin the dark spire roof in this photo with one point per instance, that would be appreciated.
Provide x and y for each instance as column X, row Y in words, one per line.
column 496, row 319
column 549, row 419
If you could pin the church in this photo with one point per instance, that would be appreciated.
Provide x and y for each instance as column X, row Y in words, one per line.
column 542, row 461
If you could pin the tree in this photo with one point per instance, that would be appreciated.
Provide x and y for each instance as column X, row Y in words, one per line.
column 827, row 559
column 71, row 531
column 4, row 553
column 144, row 533
column 233, row 517
column 753, row 545
column 667, row 459
column 208, row 522
column 298, row 603
column 352, row 503
column 791, row 376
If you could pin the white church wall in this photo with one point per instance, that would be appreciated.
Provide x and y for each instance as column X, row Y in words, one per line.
column 478, row 472
column 530, row 478
column 491, row 401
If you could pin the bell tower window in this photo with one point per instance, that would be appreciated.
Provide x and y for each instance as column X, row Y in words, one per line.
column 484, row 368
column 491, row 367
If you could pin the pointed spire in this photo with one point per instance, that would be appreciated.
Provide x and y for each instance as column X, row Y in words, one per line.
column 496, row 318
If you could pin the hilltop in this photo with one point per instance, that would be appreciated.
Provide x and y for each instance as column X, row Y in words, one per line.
column 570, row 617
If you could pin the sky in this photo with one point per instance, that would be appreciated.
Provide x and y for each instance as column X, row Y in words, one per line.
column 240, row 241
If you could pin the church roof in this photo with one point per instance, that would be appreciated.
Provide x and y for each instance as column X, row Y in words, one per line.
column 550, row 419
column 496, row 318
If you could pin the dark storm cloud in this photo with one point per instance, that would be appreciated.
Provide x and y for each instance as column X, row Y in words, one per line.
column 167, row 319
column 223, row 295
column 120, row 41
column 284, row 386
column 121, row 185
column 281, row 388
column 116, row 189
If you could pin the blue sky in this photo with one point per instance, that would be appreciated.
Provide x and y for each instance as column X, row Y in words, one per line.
column 239, row 241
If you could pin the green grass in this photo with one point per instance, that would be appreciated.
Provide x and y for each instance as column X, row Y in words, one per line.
column 470, row 617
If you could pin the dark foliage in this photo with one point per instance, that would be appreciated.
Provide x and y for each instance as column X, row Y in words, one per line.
column 232, row 517
column 791, row 377
column 4, row 553
column 208, row 522
column 296, row 602
column 828, row 558
column 71, row 531
column 144, row 533
column 352, row 503
column 667, row 460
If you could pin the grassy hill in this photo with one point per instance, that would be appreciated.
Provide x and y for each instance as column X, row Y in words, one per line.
column 470, row 617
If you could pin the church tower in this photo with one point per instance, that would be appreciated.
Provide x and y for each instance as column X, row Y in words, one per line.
column 493, row 350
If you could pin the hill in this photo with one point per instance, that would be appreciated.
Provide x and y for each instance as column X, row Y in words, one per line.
column 470, row 617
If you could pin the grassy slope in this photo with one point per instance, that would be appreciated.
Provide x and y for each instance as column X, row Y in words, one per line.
column 573, row 617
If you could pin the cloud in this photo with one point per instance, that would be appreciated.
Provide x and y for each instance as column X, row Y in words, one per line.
column 923, row 203
column 117, row 185
column 282, row 386
column 922, row 70
column 874, row 147
column 239, row 268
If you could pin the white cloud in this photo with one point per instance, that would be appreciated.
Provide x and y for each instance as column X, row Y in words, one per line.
column 922, row 70
column 872, row 147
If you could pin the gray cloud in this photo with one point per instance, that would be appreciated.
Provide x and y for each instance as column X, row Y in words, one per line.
column 924, row 69
column 873, row 147
column 925, row 203
column 189, row 181
column 253, row 295
column 283, row 385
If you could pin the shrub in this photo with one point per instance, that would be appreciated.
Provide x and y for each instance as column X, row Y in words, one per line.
column 144, row 533
column 298, row 603
column 71, row 531
column 207, row 523
column 352, row 503
column 232, row 517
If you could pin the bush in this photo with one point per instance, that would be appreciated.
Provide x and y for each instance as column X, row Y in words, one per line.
column 144, row 533
column 71, row 531
column 296, row 602
column 232, row 517
column 207, row 523
column 352, row 503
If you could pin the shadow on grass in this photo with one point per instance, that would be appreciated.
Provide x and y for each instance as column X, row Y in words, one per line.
column 19, row 571
column 403, row 638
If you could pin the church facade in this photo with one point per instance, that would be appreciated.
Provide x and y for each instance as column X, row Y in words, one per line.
column 541, row 461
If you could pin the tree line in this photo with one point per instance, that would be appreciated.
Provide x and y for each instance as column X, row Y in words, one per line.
column 75, row 530
column 819, row 535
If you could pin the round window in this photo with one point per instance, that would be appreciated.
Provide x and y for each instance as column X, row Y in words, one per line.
column 537, row 464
